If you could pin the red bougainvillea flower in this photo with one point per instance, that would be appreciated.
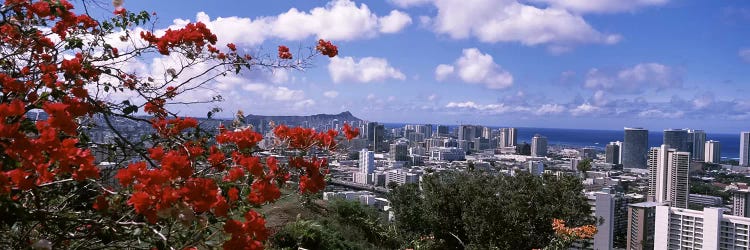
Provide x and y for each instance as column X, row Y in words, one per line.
column 349, row 132
column 247, row 235
column 232, row 47
column 327, row 48
column 284, row 52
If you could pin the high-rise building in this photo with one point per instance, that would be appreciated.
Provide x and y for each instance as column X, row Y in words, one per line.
column 712, row 152
column 641, row 225
column 366, row 167
column 442, row 130
column 677, row 139
column 611, row 209
column 512, row 137
column 697, row 140
column 635, row 148
column 741, row 202
column 678, row 228
column 399, row 151
column 487, row 132
column 588, row 153
column 745, row 149
column 466, row 132
column 539, row 146
column 668, row 176
column 612, row 153
column 536, row 168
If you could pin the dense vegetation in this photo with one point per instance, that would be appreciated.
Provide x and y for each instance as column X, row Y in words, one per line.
column 455, row 210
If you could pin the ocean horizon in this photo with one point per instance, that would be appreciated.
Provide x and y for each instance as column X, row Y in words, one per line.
column 600, row 138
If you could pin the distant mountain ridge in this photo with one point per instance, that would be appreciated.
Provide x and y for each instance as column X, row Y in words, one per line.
column 299, row 120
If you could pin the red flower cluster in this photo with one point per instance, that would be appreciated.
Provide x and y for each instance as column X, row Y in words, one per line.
column 172, row 127
column 349, row 132
column 284, row 52
column 194, row 34
column 244, row 139
column 313, row 180
column 327, row 48
column 306, row 138
column 247, row 235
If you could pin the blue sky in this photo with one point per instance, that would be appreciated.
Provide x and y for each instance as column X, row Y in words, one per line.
column 541, row 63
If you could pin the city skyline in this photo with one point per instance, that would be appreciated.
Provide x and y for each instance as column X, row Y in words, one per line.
column 606, row 65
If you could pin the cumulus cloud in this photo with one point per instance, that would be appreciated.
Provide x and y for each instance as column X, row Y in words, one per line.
column 394, row 22
column 341, row 20
column 601, row 6
column 331, row 94
column 547, row 109
column 367, row 69
column 493, row 21
column 634, row 79
column 442, row 71
column 584, row 109
column 656, row 113
column 744, row 54
column 477, row 68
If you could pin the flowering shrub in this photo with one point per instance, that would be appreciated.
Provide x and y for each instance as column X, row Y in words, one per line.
column 565, row 236
column 187, row 187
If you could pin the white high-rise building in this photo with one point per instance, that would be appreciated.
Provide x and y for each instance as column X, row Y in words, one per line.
column 713, row 152
column 745, row 149
column 539, row 146
column 677, row 228
column 668, row 176
column 366, row 167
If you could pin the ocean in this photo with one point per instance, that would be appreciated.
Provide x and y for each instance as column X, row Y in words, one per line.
column 600, row 138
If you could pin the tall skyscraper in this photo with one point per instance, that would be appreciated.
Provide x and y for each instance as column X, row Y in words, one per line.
column 513, row 137
column 612, row 153
column 641, row 225
column 668, row 176
column 539, row 146
column 466, row 132
column 635, row 148
column 745, row 149
column 677, row 139
column 442, row 130
column 697, row 138
column 366, row 167
column 486, row 132
column 713, row 152
column 399, row 151
column 741, row 202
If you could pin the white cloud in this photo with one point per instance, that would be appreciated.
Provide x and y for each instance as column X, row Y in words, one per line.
column 744, row 54
column 478, row 68
column 408, row 3
column 634, row 79
column 602, row 6
column 368, row 69
column 394, row 22
column 655, row 113
column 442, row 71
column 584, row 109
column 495, row 108
column 331, row 94
column 275, row 93
column 493, row 21
column 547, row 109
column 339, row 20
